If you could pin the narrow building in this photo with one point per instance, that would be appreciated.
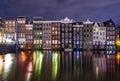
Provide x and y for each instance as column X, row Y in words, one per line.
column 88, row 35
column 47, row 25
column 55, row 35
column 37, row 33
column 29, row 35
column 10, row 31
column 77, row 36
column 99, row 36
column 110, row 36
column 66, row 34
column 21, row 30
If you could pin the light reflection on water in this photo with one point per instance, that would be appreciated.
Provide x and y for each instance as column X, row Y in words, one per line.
column 60, row 66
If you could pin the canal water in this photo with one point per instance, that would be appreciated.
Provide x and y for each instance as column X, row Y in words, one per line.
column 59, row 66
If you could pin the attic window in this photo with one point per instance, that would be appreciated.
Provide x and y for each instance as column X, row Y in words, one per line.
column 110, row 23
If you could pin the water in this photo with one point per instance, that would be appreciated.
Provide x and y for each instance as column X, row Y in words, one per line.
column 59, row 66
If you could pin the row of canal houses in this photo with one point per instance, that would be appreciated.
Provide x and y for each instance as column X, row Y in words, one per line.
column 65, row 34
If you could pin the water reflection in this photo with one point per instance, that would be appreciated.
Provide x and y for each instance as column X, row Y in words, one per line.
column 99, row 65
column 37, row 61
column 6, row 63
column 50, row 65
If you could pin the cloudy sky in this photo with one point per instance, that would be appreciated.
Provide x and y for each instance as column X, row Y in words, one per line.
column 79, row 10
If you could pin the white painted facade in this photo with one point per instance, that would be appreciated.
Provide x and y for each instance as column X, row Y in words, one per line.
column 99, row 34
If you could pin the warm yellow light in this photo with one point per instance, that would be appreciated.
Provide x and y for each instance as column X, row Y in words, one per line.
column 1, row 59
column 23, row 56
column 53, row 28
column 0, row 33
column 56, row 32
column 118, row 42
column 118, row 56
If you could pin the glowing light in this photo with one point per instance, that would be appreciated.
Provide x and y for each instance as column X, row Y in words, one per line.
column 118, row 55
column 77, row 53
column 1, row 64
column 8, row 63
column 53, row 28
column 1, row 67
column 23, row 56
column 29, row 71
column 97, row 71
column 8, row 57
column 56, row 32
column 118, row 42
column 41, row 33
column 1, row 39
column 1, row 59
column 54, row 64
column 38, row 58
column 9, row 40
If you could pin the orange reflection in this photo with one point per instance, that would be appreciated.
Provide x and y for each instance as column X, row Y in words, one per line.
column 1, row 58
column 1, row 64
column 23, row 56
column 118, row 57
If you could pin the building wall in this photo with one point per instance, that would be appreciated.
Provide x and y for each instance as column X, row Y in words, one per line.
column 21, row 21
column 88, row 35
column 10, row 30
column 110, row 37
column 47, row 34
column 77, row 36
column 66, row 34
column 99, row 36
column 38, row 34
column 29, row 35
column 55, row 33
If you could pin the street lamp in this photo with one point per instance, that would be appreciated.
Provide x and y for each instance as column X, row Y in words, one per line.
column 118, row 43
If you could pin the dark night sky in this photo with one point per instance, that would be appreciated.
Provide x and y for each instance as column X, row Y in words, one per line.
column 79, row 10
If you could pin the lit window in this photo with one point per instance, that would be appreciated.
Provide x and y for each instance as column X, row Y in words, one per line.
column 40, row 41
column 37, row 41
column 34, row 41
column 53, row 28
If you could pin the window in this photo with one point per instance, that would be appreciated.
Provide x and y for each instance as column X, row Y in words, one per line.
column 66, row 41
column 62, row 29
column 70, row 46
column 62, row 45
column 100, row 33
column 107, row 37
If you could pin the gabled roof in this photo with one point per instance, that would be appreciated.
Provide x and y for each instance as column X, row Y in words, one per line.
column 66, row 20
column 88, row 22
column 95, row 24
column 109, row 23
